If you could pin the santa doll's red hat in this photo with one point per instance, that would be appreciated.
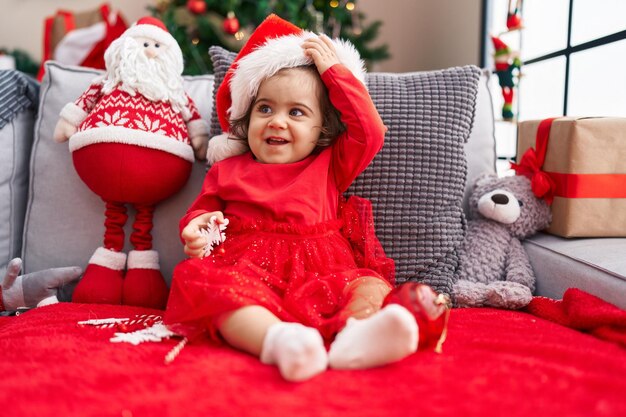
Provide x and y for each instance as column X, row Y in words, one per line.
column 274, row 45
column 151, row 28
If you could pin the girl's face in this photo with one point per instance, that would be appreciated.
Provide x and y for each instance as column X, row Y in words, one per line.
column 286, row 117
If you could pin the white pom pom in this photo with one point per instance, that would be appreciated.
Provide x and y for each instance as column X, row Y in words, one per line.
column 221, row 147
column 47, row 301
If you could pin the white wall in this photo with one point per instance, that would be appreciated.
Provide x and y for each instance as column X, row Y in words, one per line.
column 22, row 21
column 421, row 34
column 427, row 34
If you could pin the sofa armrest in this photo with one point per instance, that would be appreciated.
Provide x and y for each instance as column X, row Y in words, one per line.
column 596, row 265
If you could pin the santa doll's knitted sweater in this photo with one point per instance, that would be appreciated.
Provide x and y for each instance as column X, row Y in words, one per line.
column 133, row 119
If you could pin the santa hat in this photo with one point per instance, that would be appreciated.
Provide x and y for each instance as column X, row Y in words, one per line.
column 274, row 45
column 151, row 28
column 500, row 47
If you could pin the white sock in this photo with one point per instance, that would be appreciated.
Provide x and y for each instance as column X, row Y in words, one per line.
column 297, row 350
column 385, row 337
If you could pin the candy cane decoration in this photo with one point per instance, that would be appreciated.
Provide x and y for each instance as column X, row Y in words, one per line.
column 124, row 324
column 151, row 329
column 173, row 354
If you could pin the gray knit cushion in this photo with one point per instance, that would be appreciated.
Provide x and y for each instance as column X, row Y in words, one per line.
column 416, row 183
column 221, row 59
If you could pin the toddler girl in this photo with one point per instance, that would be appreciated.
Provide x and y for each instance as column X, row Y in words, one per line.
column 285, row 279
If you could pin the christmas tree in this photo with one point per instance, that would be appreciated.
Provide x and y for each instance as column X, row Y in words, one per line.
column 23, row 61
column 199, row 24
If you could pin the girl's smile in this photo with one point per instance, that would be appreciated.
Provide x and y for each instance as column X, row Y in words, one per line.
column 276, row 141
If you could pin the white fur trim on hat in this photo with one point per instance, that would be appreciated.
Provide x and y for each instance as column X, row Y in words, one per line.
column 143, row 259
column 221, row 147
column 277, row 54
column 119, row 134
column 73, row 114
column 108, row 259
column 151, row 32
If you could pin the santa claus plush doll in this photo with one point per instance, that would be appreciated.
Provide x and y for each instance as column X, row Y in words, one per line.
column 133, row 135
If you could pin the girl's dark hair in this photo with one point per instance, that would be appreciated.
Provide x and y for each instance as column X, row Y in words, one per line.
column 331, row 127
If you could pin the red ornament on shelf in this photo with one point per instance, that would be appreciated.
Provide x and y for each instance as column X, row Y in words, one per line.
column 429, row 309
column 231, row 23
column 513, row 21
column 196, row 6
column 514, row 15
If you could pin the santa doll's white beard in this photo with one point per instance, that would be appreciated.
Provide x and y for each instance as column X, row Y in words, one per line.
column 154, row 78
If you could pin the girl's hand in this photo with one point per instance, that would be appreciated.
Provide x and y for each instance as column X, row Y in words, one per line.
column 194, row 242
column 322, row 51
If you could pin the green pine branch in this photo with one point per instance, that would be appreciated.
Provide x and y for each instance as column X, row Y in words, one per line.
column 196, row 33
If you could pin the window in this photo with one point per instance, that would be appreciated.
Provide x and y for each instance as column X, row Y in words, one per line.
column 573, row 56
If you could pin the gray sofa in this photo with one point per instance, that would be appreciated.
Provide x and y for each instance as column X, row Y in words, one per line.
column 50, row 219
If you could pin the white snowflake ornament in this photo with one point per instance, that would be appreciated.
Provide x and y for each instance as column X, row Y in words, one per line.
column 214, row 234
column 156, row 333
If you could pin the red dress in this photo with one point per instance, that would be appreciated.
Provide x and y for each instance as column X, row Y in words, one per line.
column 292, row 244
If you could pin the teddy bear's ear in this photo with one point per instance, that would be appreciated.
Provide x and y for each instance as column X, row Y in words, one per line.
column 484, row 179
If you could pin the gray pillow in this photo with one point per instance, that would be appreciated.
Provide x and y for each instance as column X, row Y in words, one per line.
column 480, row 148
column 221, row 59
column 416, row 183
column 18, row 104
column 65, row 221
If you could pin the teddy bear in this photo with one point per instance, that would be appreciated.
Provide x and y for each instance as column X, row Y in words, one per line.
column 134, row 135
column 35, row 289
column 495, row 270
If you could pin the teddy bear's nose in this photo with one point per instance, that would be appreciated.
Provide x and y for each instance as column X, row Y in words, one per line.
column 500, row 199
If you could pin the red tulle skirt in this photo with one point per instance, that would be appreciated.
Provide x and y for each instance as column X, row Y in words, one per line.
column 299, row 273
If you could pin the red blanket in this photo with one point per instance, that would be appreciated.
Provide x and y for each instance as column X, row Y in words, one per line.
column 585, row 312
column 494, row 363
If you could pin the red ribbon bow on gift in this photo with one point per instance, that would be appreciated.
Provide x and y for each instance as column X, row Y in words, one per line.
column 540, row 182
column 542, row 185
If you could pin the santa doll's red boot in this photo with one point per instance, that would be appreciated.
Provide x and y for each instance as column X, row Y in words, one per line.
column 103, row 278
column 144, row 284
column 430, row 310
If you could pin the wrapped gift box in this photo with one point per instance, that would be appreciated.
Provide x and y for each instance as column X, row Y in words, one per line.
column 585, row 161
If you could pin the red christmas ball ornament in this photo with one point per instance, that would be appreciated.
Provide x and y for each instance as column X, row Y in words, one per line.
column 231, row 23
column 196, row 6
column 513, row 21
column 429, row 309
